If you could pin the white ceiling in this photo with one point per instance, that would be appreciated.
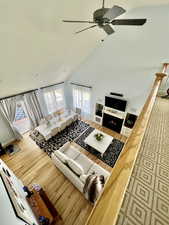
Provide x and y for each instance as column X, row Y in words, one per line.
column 37, row 49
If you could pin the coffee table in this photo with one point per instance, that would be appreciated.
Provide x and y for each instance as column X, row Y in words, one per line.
column 100, row 146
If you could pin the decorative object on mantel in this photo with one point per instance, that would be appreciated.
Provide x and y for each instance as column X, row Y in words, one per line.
column 99, row 136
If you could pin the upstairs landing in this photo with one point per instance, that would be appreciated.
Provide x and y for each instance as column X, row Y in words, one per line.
column 146, row 201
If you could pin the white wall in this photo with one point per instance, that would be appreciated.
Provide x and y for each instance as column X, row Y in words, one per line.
column 6, row 134
column 127, row 61
column 7, row 212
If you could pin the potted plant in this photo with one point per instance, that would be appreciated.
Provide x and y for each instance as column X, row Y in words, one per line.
column 99, row 136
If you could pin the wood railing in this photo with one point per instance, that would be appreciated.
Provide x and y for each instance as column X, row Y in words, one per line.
column 107, row 207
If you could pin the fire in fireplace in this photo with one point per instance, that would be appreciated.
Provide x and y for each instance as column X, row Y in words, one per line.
column 113, row 123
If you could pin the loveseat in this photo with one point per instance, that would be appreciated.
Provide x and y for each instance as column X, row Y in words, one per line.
column 76, row 166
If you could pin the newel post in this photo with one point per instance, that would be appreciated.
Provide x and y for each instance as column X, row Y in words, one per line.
column 160, row 76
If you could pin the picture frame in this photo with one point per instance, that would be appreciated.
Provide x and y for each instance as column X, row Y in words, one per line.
column 17, row 202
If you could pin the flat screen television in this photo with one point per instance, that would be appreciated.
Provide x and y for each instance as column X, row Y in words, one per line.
column 115, row 103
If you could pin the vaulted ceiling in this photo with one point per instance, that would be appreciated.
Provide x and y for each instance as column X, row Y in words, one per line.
column 37, row 49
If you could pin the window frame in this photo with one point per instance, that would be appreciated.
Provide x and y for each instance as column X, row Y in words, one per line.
column 57, row 104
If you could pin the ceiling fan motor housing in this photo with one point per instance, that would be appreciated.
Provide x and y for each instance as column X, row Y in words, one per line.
column 98, row 16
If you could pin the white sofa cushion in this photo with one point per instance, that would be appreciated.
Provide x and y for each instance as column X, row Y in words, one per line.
column 64, row 147
column 85, row 162
column 61, row 156
column 72, row 177
column 54, row 120
column 71, row 152
column 42, row 121
column 75, row 167
column 83, row 178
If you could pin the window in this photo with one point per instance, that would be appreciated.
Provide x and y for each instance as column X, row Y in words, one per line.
column 59, row 98
column 82, row 100
column 20, row 113
column 54, row 100
column 49, row 99
column 22, row 122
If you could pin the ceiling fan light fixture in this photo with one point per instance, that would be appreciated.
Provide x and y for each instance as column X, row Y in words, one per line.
column 105, row 17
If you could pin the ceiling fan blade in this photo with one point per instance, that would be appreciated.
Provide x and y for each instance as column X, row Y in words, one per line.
column 85, row 29
column 114, row 12
column 130, row 22
column 77, row 21
column 108, row 29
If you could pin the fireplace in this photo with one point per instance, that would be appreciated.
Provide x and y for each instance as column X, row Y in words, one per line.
column 113, row 123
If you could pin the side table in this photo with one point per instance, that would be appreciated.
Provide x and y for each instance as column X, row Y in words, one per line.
column 42, row 206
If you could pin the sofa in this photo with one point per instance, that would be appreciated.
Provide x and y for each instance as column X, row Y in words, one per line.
column 53, row 124
column 76, row 166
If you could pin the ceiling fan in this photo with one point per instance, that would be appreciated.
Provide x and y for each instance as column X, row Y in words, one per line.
column 105, row 17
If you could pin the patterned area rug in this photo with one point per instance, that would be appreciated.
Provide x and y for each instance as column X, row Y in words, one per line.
column 146, row 201
column 110, row 156
column 68, row 134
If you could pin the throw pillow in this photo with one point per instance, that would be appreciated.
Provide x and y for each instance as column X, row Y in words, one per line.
column 42, row 121
column 93, row 187
column 61, row 156
column 75, row 167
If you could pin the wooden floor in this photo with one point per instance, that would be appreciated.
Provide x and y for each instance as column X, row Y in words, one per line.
column 32, row 165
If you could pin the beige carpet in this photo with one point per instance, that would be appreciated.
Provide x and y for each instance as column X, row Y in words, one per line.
column 146, row 201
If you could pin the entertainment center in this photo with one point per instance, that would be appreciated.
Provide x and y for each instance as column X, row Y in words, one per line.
column 113, row 114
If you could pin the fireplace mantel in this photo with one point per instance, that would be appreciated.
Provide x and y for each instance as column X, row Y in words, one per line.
column 114, row 112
